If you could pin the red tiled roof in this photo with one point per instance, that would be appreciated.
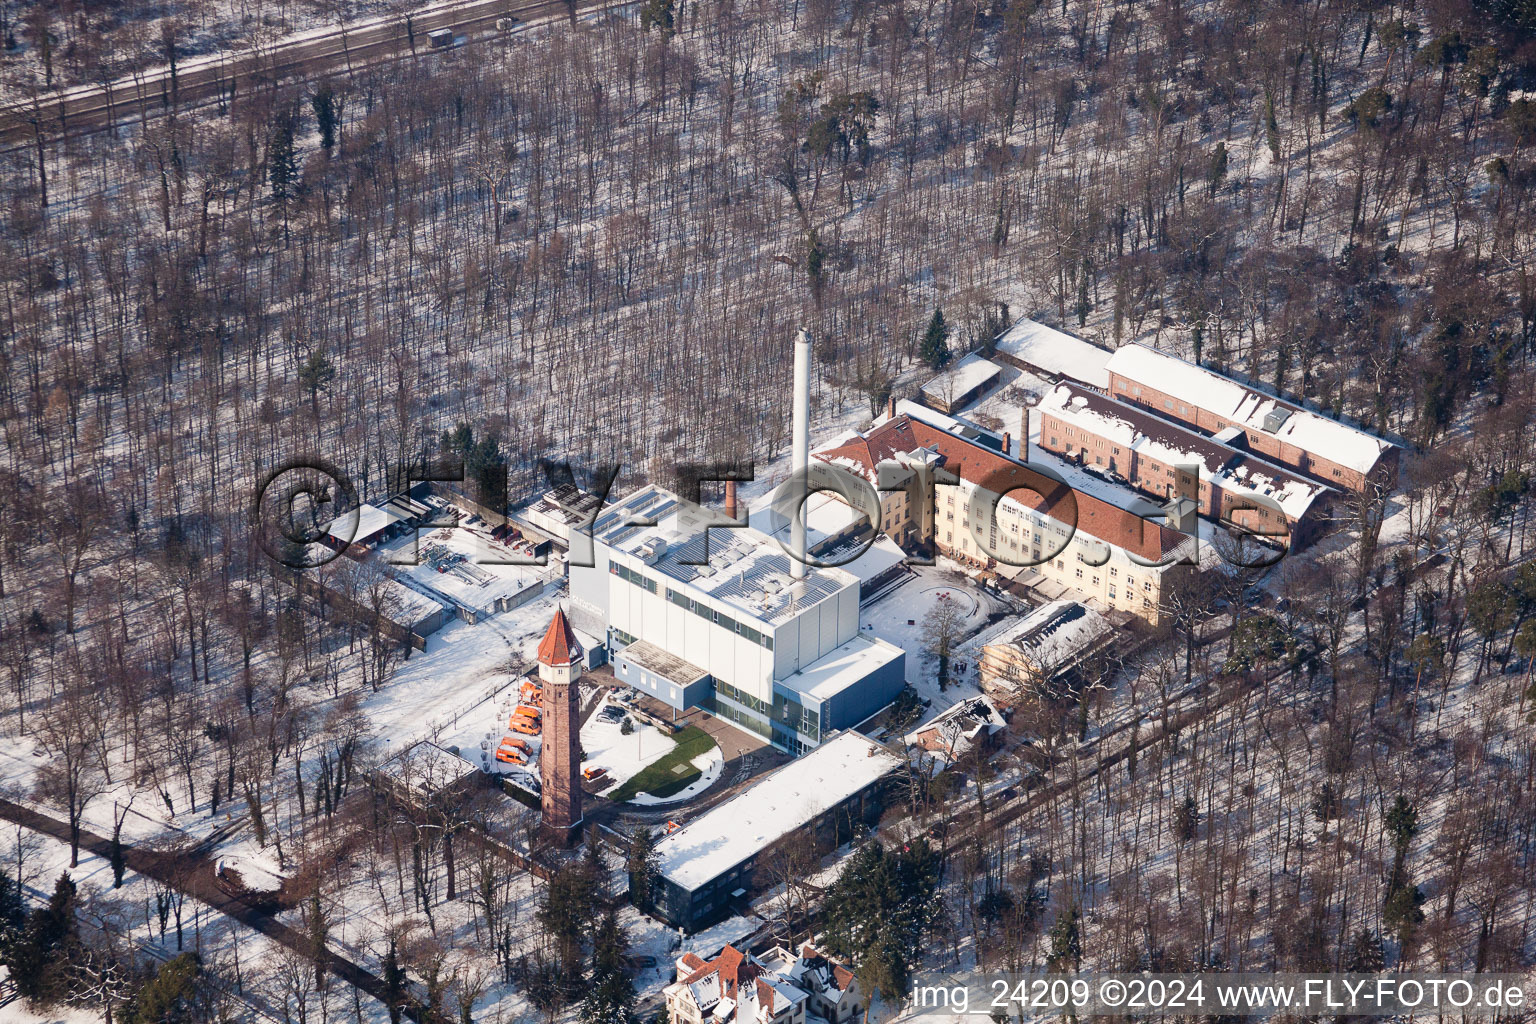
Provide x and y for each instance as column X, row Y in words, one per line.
column 984, row 467
column 734, row 966
column 559, row 646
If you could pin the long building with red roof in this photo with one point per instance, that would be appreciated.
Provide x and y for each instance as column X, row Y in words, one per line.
column 989, row 510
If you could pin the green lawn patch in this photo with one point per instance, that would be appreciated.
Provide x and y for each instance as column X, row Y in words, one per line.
column 660, row 777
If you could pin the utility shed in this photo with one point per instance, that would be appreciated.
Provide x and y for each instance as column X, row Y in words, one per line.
column 961, row 384
column 1053, row 355
column 707, row 865
column 425, row 775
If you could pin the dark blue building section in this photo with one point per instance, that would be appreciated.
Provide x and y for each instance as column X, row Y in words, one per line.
column 849, row 707
column 671, row 680
column 838, row 692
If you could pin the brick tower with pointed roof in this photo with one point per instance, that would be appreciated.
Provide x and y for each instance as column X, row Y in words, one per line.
column 560, row 755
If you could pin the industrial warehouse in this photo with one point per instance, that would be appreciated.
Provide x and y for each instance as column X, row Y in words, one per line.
column 708, row 866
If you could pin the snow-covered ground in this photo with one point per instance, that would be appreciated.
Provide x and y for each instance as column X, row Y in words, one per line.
column 898, row 617
column 605, row 746
column 257, row 868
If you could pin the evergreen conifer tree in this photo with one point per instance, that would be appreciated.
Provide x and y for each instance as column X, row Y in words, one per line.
column 935, row 351
column 610, row 996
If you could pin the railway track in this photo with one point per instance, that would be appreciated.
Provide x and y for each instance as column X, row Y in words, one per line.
column 223, row 76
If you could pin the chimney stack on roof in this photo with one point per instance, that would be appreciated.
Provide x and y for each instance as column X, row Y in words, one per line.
column 1007, row 443
column 890, row 407
column 730, row 498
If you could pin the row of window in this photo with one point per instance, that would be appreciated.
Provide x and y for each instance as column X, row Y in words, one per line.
column 719, row 618
column 743, row 718
column 682, row 600
column 629, row 575
column 725, row 689
column 1220, row 424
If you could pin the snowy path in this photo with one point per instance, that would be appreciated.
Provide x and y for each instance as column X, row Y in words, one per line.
column 198, row 882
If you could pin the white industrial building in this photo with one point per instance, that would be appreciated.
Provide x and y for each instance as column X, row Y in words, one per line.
column 734, row 632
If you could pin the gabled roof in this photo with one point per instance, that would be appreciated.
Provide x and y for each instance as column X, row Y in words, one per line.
column 982, row 467
column 1168, row 442
column 814, row 961
column 732, row 967
column 1054, row 353
column 739, row 988
column 559, row 646
column 1237, row 403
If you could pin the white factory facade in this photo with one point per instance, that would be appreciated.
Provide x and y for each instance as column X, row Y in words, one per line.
column 733, row 631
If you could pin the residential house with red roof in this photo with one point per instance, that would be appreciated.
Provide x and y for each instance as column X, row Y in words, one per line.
column 782, row 987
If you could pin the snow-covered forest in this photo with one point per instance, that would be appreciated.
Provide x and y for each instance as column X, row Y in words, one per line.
column 593, row 240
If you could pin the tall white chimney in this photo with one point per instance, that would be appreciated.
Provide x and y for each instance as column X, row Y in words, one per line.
column 801, row 451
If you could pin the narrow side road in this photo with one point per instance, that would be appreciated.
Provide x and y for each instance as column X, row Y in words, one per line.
column 197, row 880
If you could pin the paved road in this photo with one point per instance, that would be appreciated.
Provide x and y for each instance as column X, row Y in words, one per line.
column 205, row 80
column 196, row 880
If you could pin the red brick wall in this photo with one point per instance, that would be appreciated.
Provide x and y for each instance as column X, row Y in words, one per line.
column 1150, row 476
column 560, row 757
column 1261, row 444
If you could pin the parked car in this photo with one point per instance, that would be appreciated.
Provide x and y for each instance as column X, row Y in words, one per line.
column 1010, row 793
column 592, row 774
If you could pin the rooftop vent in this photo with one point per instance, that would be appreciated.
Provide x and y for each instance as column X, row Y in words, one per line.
column 1275, row 418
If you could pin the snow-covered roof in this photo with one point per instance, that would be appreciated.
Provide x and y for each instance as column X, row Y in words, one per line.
column 957, row 425
column 370, row 520
column 1093, row 507
column 1172, row 445
column 426, row 768
column 1054, row 353
column 1197, row 543
column 561, row 510
column 1194, row 385
column 663, row 663
column 461, row 565
column 840, row 669
column 1053, row 634
column 826, row 517
column 965, row 376
column 772, row 808
column 739, row 988
column 746, row 568
column 878, row 558
column 955, row 731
